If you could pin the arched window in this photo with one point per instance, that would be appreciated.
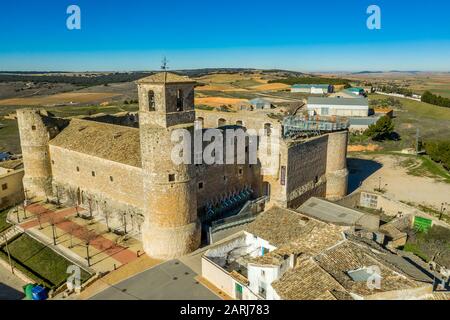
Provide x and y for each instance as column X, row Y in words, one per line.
column 151, row 101
column 180, row 100
column 221, row 122
column 199, row 122
column 268, row 129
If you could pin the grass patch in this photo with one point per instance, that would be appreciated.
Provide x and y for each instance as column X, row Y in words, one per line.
column 414, row 248
column 423, row 166
column 39, row 262
column 431, row 121
column 433, row 245
column 3, row 224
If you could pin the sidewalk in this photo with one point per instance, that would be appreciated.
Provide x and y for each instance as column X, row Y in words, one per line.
column 107, row 251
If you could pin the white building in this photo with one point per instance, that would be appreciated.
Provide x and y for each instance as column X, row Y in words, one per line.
column 312, row 88
column 285, row 255
column 345, row 107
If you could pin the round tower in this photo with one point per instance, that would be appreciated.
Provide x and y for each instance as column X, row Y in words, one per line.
column 34, row 138
column 171, row 227
column 337, row 173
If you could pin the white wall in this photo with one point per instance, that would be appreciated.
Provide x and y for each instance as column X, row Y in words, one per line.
column 340, row 110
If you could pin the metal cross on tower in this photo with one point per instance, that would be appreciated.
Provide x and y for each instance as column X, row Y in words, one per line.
column 164, row 67
column 164, row 64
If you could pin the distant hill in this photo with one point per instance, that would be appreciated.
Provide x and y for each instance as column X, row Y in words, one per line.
column 88, row 79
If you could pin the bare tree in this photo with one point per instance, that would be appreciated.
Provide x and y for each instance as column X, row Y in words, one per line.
column 58, row 195
column 72, row 228
column 124, row 222
column 90, row 207
column 39, row 215
column 53, row 222
column 72, row 196
column 88, row 236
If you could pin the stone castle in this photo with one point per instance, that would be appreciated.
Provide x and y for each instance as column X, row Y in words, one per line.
column 121, row 168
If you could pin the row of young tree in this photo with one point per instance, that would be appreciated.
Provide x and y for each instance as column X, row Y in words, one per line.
column 395, row 89
column 431, row 98
column 439, row 151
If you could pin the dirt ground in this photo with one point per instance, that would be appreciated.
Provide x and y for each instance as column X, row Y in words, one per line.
column 366, row 170
column 218, row 101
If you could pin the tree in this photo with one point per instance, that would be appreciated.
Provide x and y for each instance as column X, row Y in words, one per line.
column 381, row 130
column 88, row 236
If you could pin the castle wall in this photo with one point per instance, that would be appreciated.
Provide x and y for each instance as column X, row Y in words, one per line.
column 306, row 171
column 34, row 137
column 337, row 173
column 118, row 182
column 219, row 180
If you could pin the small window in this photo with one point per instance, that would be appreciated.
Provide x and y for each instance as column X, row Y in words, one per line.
column 78, row 169
column 224, row 178
column 180, row 100
column 316, row 179
column 268, row 129
column 221, row 122
column 33, row 128
column 111, row 178
column 171, row 177
column 53, row 161
column 4, row 186
column 200, row 185
column 93, row 173
column 263, row 273
column 240, row 171
column 151, row 101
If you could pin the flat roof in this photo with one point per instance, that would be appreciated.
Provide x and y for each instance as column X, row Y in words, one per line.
column 323, row 86
column 339, row 101
column 327, row 211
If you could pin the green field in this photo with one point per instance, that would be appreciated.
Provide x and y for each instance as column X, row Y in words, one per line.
column 39, row 262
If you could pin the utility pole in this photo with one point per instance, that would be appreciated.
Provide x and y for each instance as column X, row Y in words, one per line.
column 9, row 255
column 442, row 210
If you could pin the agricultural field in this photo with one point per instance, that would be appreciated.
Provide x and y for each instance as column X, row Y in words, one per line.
column 60, row 99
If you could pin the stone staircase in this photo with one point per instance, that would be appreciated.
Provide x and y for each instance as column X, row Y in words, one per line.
column 9, row 234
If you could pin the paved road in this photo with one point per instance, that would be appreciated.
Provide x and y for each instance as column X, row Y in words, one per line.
column 10, row 286
column 171, row 280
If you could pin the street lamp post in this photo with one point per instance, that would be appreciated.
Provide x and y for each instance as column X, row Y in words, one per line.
column 442, row 210
column 9, row 255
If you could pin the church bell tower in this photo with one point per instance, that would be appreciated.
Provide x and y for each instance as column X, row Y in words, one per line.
column 171, row 227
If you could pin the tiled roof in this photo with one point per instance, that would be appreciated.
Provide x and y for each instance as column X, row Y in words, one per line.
column 111, row 142
column 347, row 256
column 292, row 233
column 308, row 282
column 165, row 77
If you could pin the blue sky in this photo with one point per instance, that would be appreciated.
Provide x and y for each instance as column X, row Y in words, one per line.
column 325, row 35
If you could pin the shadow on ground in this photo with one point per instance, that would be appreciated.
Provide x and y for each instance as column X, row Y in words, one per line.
column 359, row 171
column 8, row 293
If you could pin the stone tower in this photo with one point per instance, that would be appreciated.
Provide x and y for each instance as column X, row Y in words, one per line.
column 171, row 227
column 34, row 138
column 337, row 173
